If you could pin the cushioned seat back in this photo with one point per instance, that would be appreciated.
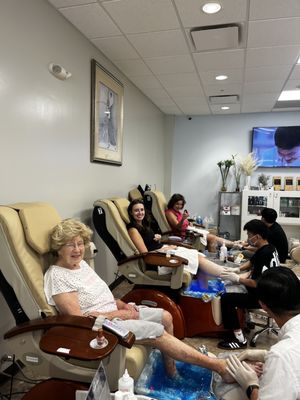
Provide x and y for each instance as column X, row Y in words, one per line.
column 158, row 204
column 135, row 194
column 111, row 227
column 24, row 249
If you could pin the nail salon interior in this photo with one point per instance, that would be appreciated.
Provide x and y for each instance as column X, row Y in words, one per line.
column 105, row 102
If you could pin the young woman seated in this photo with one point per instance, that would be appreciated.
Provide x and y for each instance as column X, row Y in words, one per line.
column 146, row 240
column 179, row 223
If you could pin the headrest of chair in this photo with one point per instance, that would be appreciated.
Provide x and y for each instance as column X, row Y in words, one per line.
column 135, row 194
column 122, row 206
column 295, row 254
column 157, row 196
column 38, row 219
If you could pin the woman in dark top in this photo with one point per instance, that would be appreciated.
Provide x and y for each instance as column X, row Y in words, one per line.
column 146, row 240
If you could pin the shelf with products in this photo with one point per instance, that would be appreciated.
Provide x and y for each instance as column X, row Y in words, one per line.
column 229, row 215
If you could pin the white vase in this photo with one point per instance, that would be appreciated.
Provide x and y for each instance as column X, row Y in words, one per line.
column 248, row 183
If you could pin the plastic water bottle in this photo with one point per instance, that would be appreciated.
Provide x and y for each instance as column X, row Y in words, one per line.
column 199, row 220
column 126, row 383
column 223, row 252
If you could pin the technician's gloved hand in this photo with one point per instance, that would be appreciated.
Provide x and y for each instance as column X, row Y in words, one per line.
column 230, row 276
column 232, row 269
column 241, row 372
column 253, row 355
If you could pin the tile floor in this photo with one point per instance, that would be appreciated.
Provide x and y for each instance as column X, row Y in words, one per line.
column 20, row 386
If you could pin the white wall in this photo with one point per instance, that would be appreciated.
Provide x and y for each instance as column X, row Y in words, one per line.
column 201, row 142
column 45, row 123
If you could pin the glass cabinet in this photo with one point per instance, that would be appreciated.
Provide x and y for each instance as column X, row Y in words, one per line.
column 287, row 205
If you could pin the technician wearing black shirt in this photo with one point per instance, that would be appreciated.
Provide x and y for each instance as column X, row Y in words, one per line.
column 264, row 258
column 277, row 236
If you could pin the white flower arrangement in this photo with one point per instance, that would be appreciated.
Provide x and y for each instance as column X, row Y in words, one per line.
column 249, row 164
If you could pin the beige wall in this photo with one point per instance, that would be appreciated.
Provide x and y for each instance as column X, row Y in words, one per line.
column 45, row 122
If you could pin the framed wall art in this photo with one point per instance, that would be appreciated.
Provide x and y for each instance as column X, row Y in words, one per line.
column 106, row 116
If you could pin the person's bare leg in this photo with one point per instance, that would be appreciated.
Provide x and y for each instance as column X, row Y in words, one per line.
column 177, row 350
column 209, row 267
column 169, row 362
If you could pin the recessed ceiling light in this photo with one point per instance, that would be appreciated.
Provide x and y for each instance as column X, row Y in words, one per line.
column 287, row 95
column 298, row 62
column 225, row 108
column 221, row 77
column 211, row 8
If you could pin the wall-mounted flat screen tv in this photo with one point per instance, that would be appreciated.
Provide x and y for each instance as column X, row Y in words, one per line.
column 277, row 146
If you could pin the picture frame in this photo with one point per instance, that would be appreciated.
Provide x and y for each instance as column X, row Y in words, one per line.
column 107, row 94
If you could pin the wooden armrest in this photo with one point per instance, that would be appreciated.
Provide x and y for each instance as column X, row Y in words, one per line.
column 162, row 260
column 132, row 258
column 46, row 323
column 62, row 320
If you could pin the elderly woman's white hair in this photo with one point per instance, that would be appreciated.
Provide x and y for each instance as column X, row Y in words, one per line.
column 67, row 230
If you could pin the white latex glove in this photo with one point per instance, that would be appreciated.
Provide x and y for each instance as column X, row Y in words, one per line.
column 241, row 372
column 232, row 269
column 253, row 355
column 230, row 276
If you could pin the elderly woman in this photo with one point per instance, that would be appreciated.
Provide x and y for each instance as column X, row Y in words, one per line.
column 75, row 289
column 145, row 240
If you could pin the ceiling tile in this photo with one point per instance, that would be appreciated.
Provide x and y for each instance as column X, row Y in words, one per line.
column 223, row 89
column 255, row 108
column 274, row 32
column 279, row 55
column 227, row 59
column 234, row 109
column 191, row 14
column 146, row 82
column 137, row 16
column 267, row 9
column 170, row 65
column 91, row 20
column 185, row 91
column 295, row 73
column 196, row 109
column 158, row 93
column 234, row 76
column 116, row 48
column 263, row 87
column 269, row 73
column 184, row 102
column 133, row 67
column 178, row 80
column 159, row 44
column 292, row 84
column 68, row 3
column 170, row 110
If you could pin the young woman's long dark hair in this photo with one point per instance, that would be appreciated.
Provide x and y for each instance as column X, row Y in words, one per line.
column 146, row 221
column 176, row 197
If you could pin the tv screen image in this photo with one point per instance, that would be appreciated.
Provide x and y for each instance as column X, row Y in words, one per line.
column 277, row 146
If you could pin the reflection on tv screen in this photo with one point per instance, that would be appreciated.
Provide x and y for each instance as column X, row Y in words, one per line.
column 277, row 146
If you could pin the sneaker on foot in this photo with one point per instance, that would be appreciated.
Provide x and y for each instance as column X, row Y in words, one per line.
column 232, row 344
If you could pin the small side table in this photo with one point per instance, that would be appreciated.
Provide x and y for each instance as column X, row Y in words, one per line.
column 71, row 342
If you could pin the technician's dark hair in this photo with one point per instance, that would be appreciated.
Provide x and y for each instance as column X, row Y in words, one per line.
column 269, row 215
column 279, row 289
column 176, row 197
column 146, row 220
column 257, row 227
column 287, row 137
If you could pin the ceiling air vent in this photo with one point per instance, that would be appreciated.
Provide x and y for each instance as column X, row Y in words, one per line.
column 224, row 99
column 215, row 37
